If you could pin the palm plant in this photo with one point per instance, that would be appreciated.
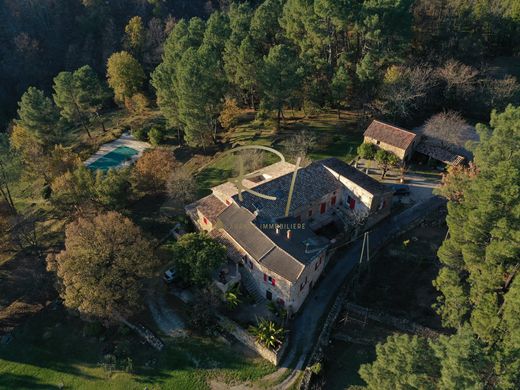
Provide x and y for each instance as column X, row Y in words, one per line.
column 233, row 299
column 268, row 333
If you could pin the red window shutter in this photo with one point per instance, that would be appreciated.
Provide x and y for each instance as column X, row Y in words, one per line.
column 323, row 207
column 274, row 281
column 265, row 278
column 333, row 201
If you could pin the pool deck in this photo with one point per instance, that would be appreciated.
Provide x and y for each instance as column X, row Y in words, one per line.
column 125, row 140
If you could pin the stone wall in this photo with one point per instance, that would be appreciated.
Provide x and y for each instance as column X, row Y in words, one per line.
column 401, row 153
column 249, row 341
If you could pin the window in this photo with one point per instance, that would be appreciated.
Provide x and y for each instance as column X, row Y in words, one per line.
column 333, row 201
column 323, row 208
column 271, row 280
column 351, row 202
column 310, row 213
column 377, row 142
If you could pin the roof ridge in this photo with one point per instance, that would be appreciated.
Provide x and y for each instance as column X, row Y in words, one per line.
column 394, row 126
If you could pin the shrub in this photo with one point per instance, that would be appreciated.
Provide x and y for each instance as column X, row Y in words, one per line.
column 156, row 136
column 140, row 134
column 268, row 333
column 367, row 151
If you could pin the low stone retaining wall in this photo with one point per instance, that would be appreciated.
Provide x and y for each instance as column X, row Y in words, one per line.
column 249, row 341
column 402, row 324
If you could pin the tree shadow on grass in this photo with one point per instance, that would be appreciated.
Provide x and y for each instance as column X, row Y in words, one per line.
column 51, row 340
column 55, row 341
column 16, row 381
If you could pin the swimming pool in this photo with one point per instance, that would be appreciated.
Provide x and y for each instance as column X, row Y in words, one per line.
column 113, row 159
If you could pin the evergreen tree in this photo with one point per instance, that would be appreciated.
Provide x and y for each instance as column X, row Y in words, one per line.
column 341, row 82
column 239, row 23
column 39, row 116
column 482, row 253
column 265, row 28
column 403, row 362
column 280, row 79
column 79, row 95
column 199, row 107
column 184, row 35
column 248, row 65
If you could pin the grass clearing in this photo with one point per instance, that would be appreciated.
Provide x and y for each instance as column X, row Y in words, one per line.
column 334, row 138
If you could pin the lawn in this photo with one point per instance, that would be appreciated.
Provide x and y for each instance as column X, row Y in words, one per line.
column 334, row 138
column 54, row 350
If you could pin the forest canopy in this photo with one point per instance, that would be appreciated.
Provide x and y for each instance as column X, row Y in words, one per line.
column 390, row 56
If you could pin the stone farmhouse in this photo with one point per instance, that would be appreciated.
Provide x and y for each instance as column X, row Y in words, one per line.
column 281, row 256
column 404, row 143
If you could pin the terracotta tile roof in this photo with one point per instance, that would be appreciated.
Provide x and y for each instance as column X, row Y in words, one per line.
column 390, row 134
column 210, row 207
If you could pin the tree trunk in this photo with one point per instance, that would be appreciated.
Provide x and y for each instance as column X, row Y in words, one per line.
column 86, row 128
column 252, row 98
column 7, row 192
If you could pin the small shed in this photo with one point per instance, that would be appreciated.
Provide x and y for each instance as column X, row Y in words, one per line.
column 391, row 138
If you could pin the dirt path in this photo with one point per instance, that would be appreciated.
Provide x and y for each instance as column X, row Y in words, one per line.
column 169, row 322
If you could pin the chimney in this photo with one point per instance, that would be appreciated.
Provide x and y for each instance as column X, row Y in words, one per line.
column 289, row 234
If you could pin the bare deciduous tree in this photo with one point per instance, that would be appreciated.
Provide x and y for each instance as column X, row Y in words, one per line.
column 502, row 91
column 460, row 79
column 182, row 186
column 448, row 129
column 251, row 160
column 404, row 90
column 299, row 145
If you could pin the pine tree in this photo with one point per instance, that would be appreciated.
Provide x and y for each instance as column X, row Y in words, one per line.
column 481, row 256
column 79, row 95
column 199, row 107
column 184, row 35
column 39, row 116
column 280, row 79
